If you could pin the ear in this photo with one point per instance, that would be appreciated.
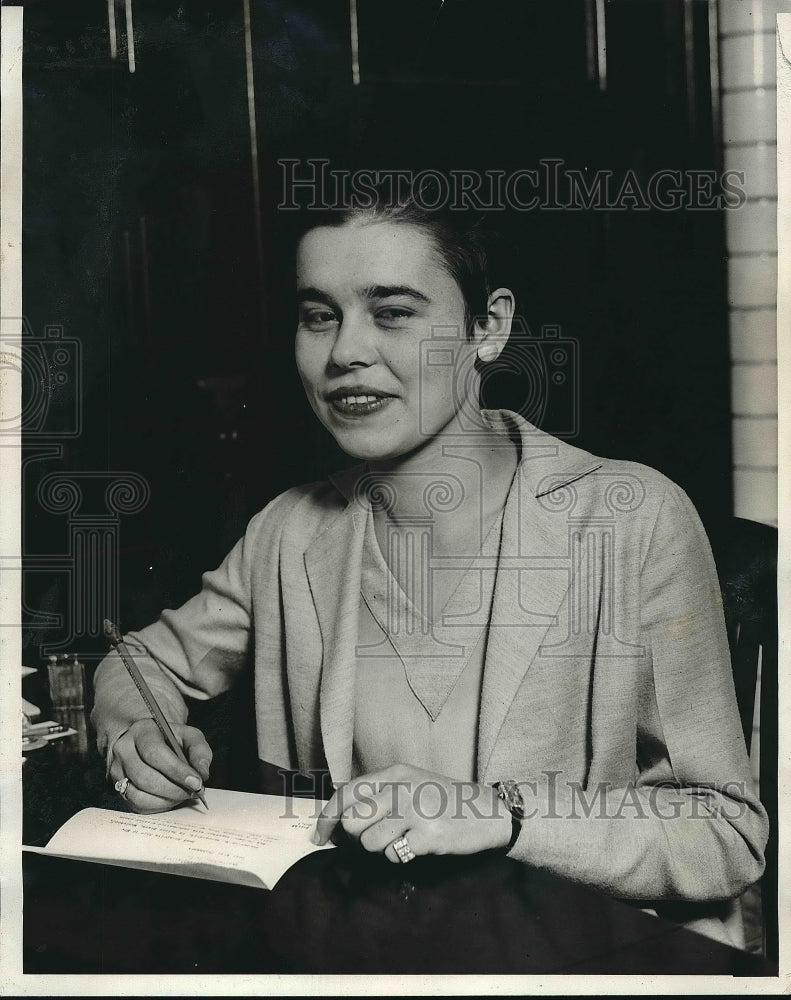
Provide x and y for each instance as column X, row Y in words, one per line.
column 491, row 334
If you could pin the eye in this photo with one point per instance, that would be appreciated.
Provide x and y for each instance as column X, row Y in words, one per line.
column 317, row 319
column 393, row 314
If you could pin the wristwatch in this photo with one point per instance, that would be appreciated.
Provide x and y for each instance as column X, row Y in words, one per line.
column 508, row 791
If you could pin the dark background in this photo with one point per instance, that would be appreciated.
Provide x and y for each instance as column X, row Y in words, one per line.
column 141, row 240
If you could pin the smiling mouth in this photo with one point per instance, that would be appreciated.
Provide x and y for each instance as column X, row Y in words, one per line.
column 359, row 404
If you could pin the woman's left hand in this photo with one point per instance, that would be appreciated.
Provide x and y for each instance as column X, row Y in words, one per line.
column 436, row 814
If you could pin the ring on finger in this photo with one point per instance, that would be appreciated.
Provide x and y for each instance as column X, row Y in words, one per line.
column 121, row 786
column 403, row 850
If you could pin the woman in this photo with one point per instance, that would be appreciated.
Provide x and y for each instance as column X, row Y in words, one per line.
column 492, row 639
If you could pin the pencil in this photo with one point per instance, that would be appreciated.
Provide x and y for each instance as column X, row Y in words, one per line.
column 113, row 634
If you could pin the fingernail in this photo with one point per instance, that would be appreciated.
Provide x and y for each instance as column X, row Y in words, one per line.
column 203, row 767
column 314, row 838
column 193, row 782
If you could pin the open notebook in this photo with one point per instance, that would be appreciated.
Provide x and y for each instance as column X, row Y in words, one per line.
column 243, row 839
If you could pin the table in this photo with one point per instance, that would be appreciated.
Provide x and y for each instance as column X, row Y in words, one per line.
column 338, row 911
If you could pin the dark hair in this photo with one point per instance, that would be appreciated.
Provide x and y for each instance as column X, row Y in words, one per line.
column 462, row 239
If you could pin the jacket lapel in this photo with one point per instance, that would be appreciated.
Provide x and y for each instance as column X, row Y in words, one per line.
column 333, row 564
column 534, row 575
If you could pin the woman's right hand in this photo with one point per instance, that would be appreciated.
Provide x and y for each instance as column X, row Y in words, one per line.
column 158, row 780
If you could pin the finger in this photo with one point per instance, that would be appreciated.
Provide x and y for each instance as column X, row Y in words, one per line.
column 149, row 781
column 127, row 762
column 157, row 755
column 356, row 807
column 197, row 750
column 141, row 801
column 328, row 818
column 150, row 745
column 138, row 799
column 366, row 809
column 378, row 837
column 362, row 802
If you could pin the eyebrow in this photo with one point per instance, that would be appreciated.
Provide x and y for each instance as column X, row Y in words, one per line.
column 311, row 294
column 388, row 291
column 371, row 292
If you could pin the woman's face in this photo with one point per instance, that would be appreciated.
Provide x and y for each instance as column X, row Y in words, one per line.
column 370, row 294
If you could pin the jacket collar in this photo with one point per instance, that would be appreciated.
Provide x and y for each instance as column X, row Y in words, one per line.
column 540, row 477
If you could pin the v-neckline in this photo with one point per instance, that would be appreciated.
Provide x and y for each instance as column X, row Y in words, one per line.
column 383, row 567
column 434, row 655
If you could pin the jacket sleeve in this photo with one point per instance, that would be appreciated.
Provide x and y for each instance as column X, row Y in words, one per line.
column 193, row 652
column 690, row 826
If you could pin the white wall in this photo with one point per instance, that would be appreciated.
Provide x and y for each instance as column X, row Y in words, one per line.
column 748, row 90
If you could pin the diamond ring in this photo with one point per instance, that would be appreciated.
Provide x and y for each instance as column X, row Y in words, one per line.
column 403, row 850
column 121, row 786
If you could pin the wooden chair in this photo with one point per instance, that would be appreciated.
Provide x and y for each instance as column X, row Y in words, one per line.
column 746, row 557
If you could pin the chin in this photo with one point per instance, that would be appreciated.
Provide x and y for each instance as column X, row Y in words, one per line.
column 369, row 453
column 368, row 449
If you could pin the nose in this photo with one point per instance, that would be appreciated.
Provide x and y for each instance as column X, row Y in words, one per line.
column 353, row 345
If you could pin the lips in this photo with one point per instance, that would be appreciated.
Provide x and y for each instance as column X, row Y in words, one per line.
column 358, row 400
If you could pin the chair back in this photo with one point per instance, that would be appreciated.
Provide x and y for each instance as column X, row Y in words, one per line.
column 746, row 558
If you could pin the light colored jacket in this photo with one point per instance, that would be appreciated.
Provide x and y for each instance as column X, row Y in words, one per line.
column 607, row 684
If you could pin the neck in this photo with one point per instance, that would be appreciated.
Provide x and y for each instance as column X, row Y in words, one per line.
column 456, row 474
